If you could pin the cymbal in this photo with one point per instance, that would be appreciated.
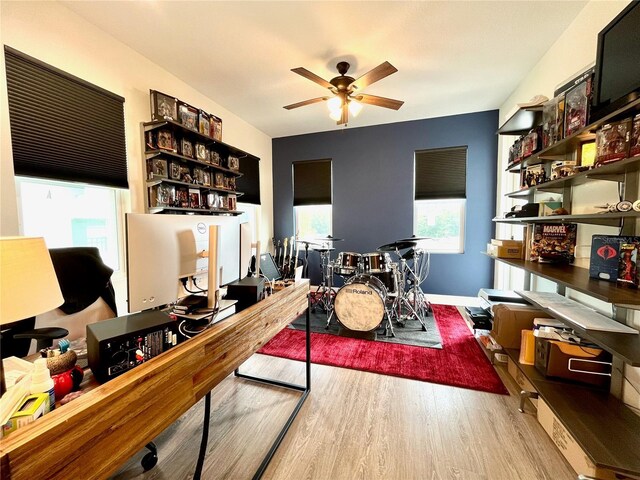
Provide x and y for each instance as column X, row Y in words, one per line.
column 399, row 245
column 413, row 238
column 308, row 242
column 323, row 250
column 329, row 238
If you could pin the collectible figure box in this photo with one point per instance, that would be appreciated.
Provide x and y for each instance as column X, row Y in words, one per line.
column 628, row 265
column 553, row 242
column 612, row 142
column 532, row 142
column 163, row 107
column 634, row 149
column 533, row 175
column 552, row 121
column 606, row 255
column 577, row 102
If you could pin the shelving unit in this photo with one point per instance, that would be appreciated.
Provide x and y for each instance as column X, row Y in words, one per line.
column 523, row 120
column 605, row 219
column 205, row 195
column 606, row 430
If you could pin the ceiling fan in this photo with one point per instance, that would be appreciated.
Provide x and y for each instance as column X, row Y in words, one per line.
column 346, row 91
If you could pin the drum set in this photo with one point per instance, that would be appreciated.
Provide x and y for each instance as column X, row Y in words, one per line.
column 377, row 291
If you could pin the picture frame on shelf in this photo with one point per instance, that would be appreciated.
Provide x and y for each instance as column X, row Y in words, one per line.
column 157, row 168
column 194, row 198
column 188, row 116
column 218, row 179
column 182, row 197
column 186, row 148
column 202, row 152
column 163, row 106
column 203, row 123
column 215, row 128
column 233, row 163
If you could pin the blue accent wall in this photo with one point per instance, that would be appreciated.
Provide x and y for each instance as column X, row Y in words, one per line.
column 373, row 190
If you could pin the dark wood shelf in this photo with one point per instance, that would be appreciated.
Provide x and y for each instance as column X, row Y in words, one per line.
column 197, row 211
column 568, row 145
column 605, row 218
column 612, row 172
column 156, row 180
column 623, row 345
column 148, row 126
column 605, row 428
column 578, row 279
column 523, row 120
column 158, row 153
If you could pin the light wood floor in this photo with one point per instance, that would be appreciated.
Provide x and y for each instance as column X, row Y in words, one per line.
column 358, row 425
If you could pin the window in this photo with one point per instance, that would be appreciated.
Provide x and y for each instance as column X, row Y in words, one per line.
column 440, row 198
column 313, row 221
column 443, row 222
column 312, row 198
column 71, row 215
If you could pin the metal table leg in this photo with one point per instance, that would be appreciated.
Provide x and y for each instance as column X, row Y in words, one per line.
column 305, row 389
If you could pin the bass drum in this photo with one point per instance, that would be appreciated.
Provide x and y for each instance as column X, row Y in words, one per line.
column 360, row 303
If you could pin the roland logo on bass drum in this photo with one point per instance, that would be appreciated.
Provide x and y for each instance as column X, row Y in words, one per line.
column 360, row 292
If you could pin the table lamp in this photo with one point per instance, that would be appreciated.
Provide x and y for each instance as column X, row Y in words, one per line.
column 28, row 282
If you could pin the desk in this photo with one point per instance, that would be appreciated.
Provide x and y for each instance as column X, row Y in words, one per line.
column 94, row 434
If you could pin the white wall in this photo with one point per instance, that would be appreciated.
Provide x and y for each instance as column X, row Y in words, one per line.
column 574, row 50
column 50, row 32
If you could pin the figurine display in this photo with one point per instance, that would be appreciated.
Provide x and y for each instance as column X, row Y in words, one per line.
column 612, row 142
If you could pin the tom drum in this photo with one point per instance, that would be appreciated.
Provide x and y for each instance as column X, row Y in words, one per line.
column 360, row 303
column 375, row 262
column 347, row 263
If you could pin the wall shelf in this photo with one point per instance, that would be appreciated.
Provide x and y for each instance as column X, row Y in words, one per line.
column 206, row 139
column 605, row 219
column 612, row 172
column 578, row 279
column 570, row 144
column 194, row 211
column 523, row 120
column 161, row 153
column 158, row 180
column 606, row 429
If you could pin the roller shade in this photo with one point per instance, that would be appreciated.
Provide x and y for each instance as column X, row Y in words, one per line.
column 62, row 127
column 312, row 182
column 249, row 183
column 441, row 173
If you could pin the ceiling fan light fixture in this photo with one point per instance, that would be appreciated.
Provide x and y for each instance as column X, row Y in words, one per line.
column 335, row 115
column 334, row 105
column 355, row 107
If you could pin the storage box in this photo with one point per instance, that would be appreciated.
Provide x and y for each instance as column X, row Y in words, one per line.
column 32, row 408
column 507, row 251
column 510, row 320
column 565, row 442
column 605, row 255
column 573, row 362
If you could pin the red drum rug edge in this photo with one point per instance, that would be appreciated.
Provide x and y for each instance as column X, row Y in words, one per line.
column 460, row 362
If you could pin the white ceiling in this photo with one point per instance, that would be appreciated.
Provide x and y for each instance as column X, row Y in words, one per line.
column 452, row 57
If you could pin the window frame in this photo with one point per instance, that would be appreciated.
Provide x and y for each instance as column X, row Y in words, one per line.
column 296, row 228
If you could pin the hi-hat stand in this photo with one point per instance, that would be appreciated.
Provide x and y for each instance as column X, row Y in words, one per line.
column 410, row 302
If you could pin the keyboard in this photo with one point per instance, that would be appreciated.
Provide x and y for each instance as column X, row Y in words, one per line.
column 575, row 313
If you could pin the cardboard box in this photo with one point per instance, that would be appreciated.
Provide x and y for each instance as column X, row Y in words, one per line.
column 33, row 407
column 521, row 380
column 512, row 251
column 573, row 362
column 506, row 243
column 565, row 442
column 510, row 320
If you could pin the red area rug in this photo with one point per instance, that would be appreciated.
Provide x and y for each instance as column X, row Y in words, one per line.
column 460, row 363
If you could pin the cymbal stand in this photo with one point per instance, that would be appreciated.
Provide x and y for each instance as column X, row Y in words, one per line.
column 323, row 296
column 416, row 308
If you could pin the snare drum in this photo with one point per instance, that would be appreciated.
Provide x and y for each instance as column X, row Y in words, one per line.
column 360, row 303
column 375, row 262
column 347, row 263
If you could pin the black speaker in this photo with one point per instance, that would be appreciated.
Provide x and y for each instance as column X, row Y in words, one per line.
column 248, row 291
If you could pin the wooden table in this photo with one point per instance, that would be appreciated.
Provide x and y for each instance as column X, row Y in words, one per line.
column 93, row 435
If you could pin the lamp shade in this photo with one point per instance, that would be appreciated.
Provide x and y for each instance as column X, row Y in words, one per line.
column 28, row 282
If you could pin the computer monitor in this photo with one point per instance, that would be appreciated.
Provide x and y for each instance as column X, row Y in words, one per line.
column 269, row 268
column 162, row 249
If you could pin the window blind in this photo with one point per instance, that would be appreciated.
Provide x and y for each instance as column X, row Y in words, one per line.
column 441, row 173
column 249, row 183
column 63, row 127
column 312, row 182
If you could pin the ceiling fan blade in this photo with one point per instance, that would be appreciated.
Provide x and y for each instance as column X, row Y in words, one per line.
column 383, row 70
column 378, row 101
column 344, row 118
column 306, row 102
column 313, row 77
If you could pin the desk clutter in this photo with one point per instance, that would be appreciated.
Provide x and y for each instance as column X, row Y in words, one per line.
column 34, row 389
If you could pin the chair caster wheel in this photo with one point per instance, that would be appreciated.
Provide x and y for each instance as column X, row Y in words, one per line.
column 149, row 461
